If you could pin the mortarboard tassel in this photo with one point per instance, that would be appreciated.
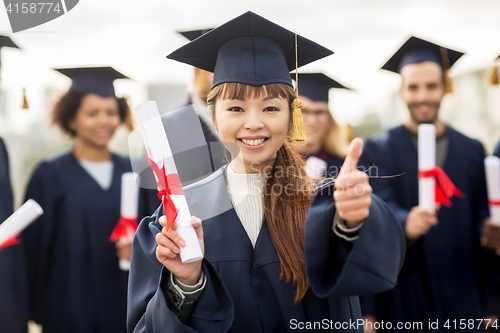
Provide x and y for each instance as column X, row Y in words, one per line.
column 350, row 133
column 493, row 76
column 299, row 131
column 25, row 101
column 448, row 84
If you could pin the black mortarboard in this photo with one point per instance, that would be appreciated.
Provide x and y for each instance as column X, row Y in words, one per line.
column 416, row 50
column 93, row 80
column 315, row 86
column 251, row 50
column 193, row 34
column 6, row 42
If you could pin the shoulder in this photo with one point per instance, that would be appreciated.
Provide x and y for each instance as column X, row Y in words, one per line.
column 59, row 161
column 210, row 180
column 385, row 137
column 123, row 161
column 467, row 144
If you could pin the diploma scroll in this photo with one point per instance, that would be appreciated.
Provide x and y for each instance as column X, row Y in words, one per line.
column 18, row 221
column 160, row 155
column 492, row 168
column 125, row 229
column 427, row 163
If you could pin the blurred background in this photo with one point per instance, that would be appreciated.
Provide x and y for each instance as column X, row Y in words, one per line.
column 135, row 36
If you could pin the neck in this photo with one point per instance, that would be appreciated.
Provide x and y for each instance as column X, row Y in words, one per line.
column 412, row 126
column 91, row 153
column 242, row 168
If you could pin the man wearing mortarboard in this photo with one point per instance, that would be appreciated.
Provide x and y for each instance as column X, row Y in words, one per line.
column 442, row 278
column 13, row 287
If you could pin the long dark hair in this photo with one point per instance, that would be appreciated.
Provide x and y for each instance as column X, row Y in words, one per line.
column 286, row 210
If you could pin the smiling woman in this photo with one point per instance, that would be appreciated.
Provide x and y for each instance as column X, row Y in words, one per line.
column 264, row 266
column 74, row 278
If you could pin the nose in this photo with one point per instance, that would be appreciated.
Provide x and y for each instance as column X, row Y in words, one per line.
column 253, row 120
column 423, row 95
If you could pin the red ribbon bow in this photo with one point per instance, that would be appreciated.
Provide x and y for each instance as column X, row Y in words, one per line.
column 494, row 202
column 123, row 229
column 9, row 242
column 167, row 185
column 445, row 189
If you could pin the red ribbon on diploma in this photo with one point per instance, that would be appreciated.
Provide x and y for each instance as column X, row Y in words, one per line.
column 9, row 242
column 123, row 229
column 167, row 185
column 445, row 189
column 493, row 202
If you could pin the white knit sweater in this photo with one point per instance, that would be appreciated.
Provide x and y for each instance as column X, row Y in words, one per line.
column 247, row 193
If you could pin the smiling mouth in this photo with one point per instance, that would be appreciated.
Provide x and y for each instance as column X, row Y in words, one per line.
column 255, row 142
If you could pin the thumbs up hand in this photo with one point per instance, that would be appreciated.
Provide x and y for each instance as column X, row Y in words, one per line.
column 352, row 190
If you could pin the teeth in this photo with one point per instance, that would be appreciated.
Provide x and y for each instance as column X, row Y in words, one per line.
column 253, row 142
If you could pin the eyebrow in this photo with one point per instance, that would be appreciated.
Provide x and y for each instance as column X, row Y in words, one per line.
column 271, row 97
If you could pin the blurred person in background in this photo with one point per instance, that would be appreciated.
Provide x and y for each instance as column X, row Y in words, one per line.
column 13, row 290
column 443, row 277
column 75, row 283
column 326, row 144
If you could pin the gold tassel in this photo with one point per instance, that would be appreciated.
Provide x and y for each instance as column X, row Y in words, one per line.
column 299, row 131
column 25, row 101
column 493, row 76
column 350, row 133
column 448, row 82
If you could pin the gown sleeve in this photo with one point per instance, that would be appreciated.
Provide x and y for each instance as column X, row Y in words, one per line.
column 149, row 309
column 37, row 238
column 367, row 267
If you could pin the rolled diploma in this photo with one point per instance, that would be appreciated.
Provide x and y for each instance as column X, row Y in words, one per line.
column 129, row 202
column 158, row 150
column 19, row 220
column 427, row 162
column 492, row 168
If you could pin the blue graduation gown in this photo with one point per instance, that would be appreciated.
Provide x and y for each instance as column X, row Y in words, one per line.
column 75, row 282
column 441, row 278
column 496, row 152
column 243, row 290
column 13, row 293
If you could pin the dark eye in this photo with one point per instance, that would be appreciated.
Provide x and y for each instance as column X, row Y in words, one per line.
column 112, row 112
column 271, row 108
column 235, row 109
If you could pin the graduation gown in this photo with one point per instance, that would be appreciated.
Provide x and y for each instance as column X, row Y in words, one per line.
column 441, row 278
column 496, row 152
column 75, row 282
column 13, row 288
column 243, row 291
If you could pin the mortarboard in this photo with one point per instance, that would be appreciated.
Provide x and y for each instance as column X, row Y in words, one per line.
column 416, row 50
column 93, row 80
column 251, row 50
column 193, row 34
column 6, row 42
column 315, row 86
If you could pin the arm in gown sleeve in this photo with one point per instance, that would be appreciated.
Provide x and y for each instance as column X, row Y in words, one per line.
column 149, row 309
column 376, row 158
column 37, row 238
column 367, row 267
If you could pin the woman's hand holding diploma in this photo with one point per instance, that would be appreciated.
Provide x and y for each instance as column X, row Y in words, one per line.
column 169, row 247
column 352, row 189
